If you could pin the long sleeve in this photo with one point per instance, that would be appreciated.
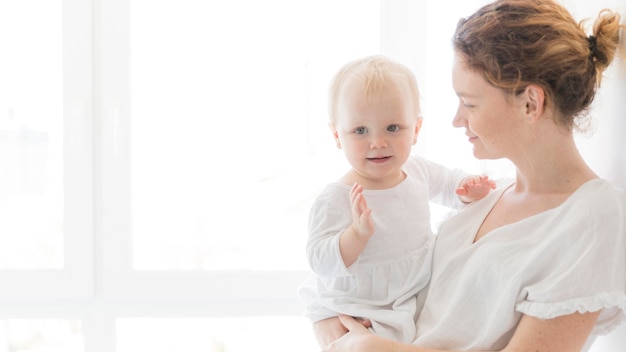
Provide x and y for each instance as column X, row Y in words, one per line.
column 442, row 181
column 329, row 216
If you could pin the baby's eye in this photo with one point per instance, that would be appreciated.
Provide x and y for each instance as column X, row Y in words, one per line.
column 393, row 128
column 360, row 130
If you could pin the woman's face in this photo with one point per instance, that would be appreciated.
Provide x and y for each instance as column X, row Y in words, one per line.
column 491, row 121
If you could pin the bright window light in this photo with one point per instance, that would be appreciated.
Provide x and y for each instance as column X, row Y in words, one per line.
column 31, row 135
column 276, row 334
column 229, row 136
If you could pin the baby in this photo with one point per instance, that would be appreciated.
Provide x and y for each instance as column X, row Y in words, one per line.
column 370, row 231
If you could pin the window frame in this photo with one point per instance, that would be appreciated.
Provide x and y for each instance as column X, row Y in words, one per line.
column 76, row 279
column 120, row 281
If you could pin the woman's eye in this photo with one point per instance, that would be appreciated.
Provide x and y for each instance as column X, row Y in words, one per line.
column 360, row 130
column 466, row 104
column 393, row 128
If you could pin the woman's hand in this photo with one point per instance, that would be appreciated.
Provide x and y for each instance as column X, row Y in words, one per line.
column 330, row 330
column 358, row 338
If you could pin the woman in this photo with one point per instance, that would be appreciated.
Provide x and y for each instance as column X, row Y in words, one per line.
column 540, row 263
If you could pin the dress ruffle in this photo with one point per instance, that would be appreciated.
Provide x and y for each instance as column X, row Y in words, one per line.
column 613, row 305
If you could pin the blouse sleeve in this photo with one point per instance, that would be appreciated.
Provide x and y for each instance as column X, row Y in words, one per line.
column 442, row 181
column 328, row 217
column 587, row 261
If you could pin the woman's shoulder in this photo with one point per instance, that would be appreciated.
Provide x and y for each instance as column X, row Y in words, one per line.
column 599, row 195
column 598, row 209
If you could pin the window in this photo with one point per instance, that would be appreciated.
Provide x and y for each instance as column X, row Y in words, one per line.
column 46, row 227
column 222, row 102
column 31, row 137
column 229, row 121
column 226, row 106
column 41, row 335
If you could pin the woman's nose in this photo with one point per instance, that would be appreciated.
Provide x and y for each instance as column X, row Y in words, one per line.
column 459, row 119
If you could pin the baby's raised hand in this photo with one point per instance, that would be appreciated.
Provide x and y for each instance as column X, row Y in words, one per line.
column 361, row 215
column 474, row 188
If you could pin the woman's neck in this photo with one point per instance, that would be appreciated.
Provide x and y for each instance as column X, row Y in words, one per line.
column 551, row 164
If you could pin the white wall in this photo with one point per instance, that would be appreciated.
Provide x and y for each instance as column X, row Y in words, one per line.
column 605, row 148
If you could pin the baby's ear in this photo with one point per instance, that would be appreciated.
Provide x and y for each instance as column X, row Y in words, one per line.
column 418, row 127
column 333, row 130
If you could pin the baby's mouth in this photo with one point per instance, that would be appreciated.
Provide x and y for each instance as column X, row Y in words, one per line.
column 379, row 158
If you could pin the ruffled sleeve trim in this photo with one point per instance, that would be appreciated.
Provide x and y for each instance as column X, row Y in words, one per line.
column 612, row 304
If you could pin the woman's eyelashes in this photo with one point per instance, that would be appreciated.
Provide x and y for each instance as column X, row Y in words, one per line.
column 466, row 104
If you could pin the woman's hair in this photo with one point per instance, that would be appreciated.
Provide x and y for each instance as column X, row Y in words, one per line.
column 514, row 43
column 375, row 73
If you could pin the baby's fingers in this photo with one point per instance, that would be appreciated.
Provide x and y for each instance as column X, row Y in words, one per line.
column 490, row 183
column 355, row 191
column 461, row 191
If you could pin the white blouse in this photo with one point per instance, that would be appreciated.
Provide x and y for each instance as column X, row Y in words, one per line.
column 568, row 259
column 382, row 284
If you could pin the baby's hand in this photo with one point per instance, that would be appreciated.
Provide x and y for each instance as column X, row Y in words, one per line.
column 474, row 188
column 361, row 215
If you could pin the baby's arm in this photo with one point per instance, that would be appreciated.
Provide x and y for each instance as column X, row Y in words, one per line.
column 355, row 237
column 474, row 188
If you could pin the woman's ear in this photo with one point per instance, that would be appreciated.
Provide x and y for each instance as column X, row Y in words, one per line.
column 333, row 130
column 534, row 97
column 418, row 127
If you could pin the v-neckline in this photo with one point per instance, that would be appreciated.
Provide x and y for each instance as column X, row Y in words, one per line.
column 497, row 196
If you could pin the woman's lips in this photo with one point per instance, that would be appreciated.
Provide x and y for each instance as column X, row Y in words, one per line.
column 471, row 138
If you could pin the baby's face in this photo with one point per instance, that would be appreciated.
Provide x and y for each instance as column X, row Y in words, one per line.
column 376, row 132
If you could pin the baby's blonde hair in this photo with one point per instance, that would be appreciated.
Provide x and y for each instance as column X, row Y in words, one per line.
column 374, row 72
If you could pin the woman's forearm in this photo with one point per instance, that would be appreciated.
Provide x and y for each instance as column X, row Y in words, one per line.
column 562, row 334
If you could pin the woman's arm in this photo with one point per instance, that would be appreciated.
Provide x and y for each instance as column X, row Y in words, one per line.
column 562, row 334
column 359, row 339
column 329, row 330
